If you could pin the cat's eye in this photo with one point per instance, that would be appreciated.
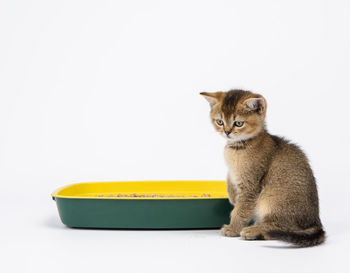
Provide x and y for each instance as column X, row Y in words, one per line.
column 238, row 123
column 219, row 122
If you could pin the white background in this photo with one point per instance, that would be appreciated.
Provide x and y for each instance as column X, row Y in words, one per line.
column 108, row 91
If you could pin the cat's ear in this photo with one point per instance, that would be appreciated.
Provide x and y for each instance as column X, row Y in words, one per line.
column 212, row 98
column 257, row 104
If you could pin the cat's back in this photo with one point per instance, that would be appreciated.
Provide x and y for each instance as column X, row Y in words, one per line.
column 290, row 162
column 288, row 151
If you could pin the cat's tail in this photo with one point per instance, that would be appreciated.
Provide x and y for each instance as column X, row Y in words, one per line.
column 304, row 238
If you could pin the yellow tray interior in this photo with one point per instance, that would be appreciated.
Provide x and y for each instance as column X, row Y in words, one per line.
column 162, row 189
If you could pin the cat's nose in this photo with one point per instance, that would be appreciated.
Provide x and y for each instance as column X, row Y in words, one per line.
column 227, row 132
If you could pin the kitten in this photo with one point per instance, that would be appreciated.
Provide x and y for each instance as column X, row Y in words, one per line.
column 269, row 179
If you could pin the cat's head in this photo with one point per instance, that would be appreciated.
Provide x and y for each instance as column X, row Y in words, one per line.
column 237, row 115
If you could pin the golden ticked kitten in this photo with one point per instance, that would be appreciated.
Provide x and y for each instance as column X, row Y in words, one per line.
column 269, row 179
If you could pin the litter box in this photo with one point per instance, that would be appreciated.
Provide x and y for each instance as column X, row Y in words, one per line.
column 144, row 205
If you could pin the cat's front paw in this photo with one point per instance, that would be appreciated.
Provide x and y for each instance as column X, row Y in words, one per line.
column 229, row 231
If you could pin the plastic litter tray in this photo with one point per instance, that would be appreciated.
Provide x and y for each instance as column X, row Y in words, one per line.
column 164, row 205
